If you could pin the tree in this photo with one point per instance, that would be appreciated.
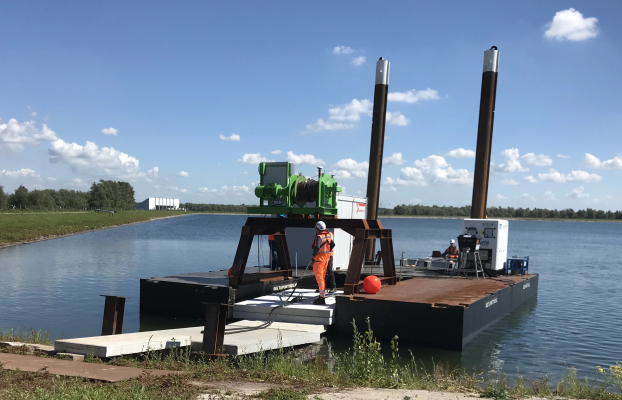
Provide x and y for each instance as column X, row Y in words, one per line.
column 112, row 194
column 19, row 199
column 3, row 197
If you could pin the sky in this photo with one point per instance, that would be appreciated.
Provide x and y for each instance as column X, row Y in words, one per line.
column 184, row 99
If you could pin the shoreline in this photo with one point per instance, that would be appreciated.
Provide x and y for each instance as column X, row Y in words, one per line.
column 43, row 238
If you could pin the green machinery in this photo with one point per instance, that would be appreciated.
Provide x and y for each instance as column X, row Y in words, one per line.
column 281, row 191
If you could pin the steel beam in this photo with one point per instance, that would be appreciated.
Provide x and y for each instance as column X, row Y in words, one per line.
column 214, row 330
column 114, row 309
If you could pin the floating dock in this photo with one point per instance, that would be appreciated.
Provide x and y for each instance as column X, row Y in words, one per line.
column 436, row 311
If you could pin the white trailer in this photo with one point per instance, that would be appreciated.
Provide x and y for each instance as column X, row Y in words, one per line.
column 493, row 240
column 299, row 240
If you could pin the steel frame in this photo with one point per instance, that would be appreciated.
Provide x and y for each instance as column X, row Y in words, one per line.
column 364, row 232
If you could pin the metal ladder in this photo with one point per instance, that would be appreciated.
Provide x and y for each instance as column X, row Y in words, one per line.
column 477, row 261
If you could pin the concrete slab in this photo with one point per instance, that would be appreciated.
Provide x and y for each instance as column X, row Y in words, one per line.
column 53, row 366
column 242, row 337
column 301, row 312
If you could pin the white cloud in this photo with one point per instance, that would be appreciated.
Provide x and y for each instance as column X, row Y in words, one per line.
column 351, row 165
column 351, row 111
column 32, row 112
column 232, row 138
column 509, row 182
column 343, row 50
column 206, row 190
column 527, row 196
column 183, row 190
column 433, row 170
column 555, row 176
column 51, row 179
column 461, row 153
column 501, row 197
column 571, row 25
column 395, row 159
column 578, row 193
column 92, row 160
column 77, row 182
column 341, row 174
column 255, row 158
column 276, row 152
column 396, row 118
column 321, row 125
column 538, row 160
column 244, row 173
column 358, row 61
column 549, row 196
column 562, row 156
column 391, row 189
column 389, row 181
column 512, row 162
column 110, row 131
column 19, row 174
column 153, row 172
column 14, row 135
column 413, row 96
column 182, row 173
column 594, row 162
column 303, row 159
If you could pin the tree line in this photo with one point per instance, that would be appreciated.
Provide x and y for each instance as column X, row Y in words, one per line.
column 103, row 194
column 214, row 207
column 500, row 212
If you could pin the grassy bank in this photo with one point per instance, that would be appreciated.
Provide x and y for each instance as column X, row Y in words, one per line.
column 25, row 226
column 294, row 375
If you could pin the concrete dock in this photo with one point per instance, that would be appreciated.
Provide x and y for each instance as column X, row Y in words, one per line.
column 242, row 337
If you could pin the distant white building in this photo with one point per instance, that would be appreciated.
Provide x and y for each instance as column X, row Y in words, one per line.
column 158, row 203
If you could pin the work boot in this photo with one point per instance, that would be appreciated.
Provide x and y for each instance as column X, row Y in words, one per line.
column 319, row 301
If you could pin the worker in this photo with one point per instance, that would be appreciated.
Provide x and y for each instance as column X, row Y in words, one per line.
column 452, row 250
column 323, row 245
column 275, row 264
column 330, row 273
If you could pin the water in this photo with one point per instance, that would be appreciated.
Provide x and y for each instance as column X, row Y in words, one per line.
column 576, row 319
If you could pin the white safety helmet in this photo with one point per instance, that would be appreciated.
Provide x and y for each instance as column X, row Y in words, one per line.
column 452, row 241
column 320, row 225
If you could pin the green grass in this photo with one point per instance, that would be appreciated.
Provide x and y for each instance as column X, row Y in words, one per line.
column 26, row 336
column 18, row 226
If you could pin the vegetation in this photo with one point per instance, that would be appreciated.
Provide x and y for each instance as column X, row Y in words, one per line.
column 26, row 336
column 17, row 226
column 501, row 212
column 294, row 376
column 215, row 208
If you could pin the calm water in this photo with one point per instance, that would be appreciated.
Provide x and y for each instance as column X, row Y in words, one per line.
column 576, row 319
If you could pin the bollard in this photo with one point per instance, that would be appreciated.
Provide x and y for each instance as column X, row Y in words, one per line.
column 114, row 308
column 214, row 330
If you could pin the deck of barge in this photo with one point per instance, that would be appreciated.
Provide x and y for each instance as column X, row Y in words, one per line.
column 440, row 311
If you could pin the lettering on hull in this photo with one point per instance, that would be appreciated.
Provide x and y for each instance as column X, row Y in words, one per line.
column 491, row 302
column 526, row 285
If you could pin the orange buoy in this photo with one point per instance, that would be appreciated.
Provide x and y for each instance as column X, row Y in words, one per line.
column 372, row 284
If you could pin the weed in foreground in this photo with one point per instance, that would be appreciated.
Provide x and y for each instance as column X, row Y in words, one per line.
column 26, row 336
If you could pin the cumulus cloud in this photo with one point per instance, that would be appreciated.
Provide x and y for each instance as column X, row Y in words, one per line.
column 110, row 131
column 511, row 164
column 15, row 135
column 394, row 159
column 51, row 179
column 351, row 111
column 303, row 159
column 562, row 156
column 153, row 172
column 555, row 176
column 321, row 125
column 358, row 61
column 77, row 182
column 578, row 193
column 182, row 173
column 501, row 197
column 349, row 168
column 537, row 160
column 549, row 196
column 276, row 152
column 433, row 170
column 232, row 138
column 183, row 190
column 572, row 26
column 206, row 190
column 413, row 96
column 527, row 196
column 343, row 50
column 509, row 182
column 90, row 159
column 461, row 153
column 396, row 118
column 255, row 158
column 19, row 174
column 594, row 162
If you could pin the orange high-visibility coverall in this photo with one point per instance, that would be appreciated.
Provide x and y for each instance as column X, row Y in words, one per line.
column 323, row 245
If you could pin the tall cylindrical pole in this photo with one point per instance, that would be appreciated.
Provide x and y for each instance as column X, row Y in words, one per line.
column 376, row 148
column 484, row 133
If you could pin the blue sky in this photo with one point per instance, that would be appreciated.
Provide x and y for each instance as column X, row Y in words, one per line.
column 147, row 91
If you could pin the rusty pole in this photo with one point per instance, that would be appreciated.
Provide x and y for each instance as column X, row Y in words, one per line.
column 484, row 133
column 376, row 148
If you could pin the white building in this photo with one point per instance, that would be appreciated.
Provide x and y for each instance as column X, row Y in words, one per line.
column 158, row 203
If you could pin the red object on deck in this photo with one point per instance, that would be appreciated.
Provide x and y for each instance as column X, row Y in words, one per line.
column 229, row 272
column 372, row 284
